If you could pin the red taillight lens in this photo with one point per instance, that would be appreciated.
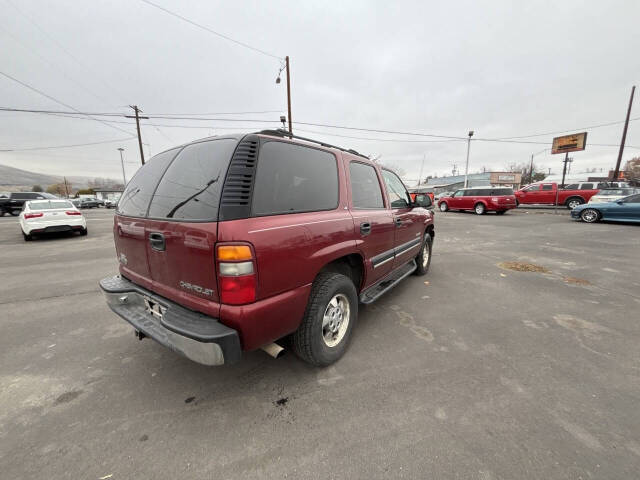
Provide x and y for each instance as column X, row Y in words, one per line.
column 73, row 212
column 238, row 290
column 32, row 215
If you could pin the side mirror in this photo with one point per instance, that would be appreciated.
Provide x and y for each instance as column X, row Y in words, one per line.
column 619, row 202
column 423, row 201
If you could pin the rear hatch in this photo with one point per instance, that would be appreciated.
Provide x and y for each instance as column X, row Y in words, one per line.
column 53, row 212
column 166, row 224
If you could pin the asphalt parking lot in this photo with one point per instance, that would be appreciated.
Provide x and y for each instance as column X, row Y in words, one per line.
column 475, row 371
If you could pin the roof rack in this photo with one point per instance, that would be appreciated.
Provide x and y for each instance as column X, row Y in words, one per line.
column 284, row 133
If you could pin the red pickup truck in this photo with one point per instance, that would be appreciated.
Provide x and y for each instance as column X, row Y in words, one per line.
column 230, row 243
column 545, row 194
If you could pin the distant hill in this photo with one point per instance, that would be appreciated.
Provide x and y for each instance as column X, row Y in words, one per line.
column 15, row 178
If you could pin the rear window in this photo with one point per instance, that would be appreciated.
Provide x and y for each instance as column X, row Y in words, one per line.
column 571, row 186
column 547, row 186
column 136, row 197
column 50, row 205
column 586, row 186
column 502, row 191
column 190, row 188
column 365, row 187
column 292, row 178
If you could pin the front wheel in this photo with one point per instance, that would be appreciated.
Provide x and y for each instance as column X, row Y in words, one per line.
column 589, row 215
column 327, row 325
column 444, row 207
column 480, row 208
column 424, row 257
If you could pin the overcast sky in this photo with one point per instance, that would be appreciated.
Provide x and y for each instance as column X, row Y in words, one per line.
column 501, row 68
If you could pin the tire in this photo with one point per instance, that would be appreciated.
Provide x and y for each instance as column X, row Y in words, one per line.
column 314, row 340
column 443, row 206
column 27, row 237
column 84, row 231
column 573, row 202
column 2, row 213
column 14, row 213
column 590, row 215
column 423, row 260
column 479, row 208
column 501, row 212
column 517, row 203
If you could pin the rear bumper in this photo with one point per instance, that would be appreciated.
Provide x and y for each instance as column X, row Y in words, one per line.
column 30, row 226
column 194, row 335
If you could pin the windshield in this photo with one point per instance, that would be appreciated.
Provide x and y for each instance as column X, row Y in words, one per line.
column 50, row 205
column 620, row 191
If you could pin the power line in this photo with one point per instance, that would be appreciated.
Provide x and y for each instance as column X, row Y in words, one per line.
column 570, row 130
column 59, row 102
column 203, row 27
column 398, row 140
column 66, row 146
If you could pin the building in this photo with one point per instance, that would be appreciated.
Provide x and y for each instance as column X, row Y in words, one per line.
column 446, row 184
column 108, row 193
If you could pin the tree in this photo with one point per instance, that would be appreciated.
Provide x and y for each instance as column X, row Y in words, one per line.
column 525, row 169
column 633, row 167
column 37, row 188
column 57, row 189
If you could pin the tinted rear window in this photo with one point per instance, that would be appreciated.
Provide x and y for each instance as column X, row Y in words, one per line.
column 292, row 178
column 365, row 187
column 190, row 188
column 502, row 191
column 136, row 197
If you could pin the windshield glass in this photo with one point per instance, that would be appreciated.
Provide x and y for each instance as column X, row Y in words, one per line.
column 614, row 192
column 50, row 205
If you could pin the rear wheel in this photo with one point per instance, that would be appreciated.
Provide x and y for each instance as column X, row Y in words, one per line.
column 423, row 260
column 84, row 231
column 14, row 213
column 479, row 208
column 327, row 325
column 444, row 207
column 589, row 215
column 27, row 237
column 573, row 202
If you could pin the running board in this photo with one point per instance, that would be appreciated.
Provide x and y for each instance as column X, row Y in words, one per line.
column 375, row 291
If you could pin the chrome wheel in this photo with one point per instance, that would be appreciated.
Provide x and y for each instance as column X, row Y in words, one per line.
column 335, row 320
column 589, row 215
column 573, row 203
column 444, row 207
column 425, row 255
column 479, row 209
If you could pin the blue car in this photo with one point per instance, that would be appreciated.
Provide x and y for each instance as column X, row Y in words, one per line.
column 626, row 209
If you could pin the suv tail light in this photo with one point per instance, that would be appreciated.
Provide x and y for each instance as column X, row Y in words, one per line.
column 73, row 212
column 27, row 216
column 236, row 270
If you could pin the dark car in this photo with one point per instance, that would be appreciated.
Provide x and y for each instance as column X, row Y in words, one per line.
column 623, row 210
column 480, row 200
column 13, row 202
column 86, row 203
column 230, row 243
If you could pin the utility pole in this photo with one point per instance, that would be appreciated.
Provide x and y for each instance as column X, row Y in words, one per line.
column 138, row 117
column 286, row 67
column 564, row 168
column 531, row 170
column 66, row 187
column 616, row 172
column 466, row 170
column 124, row 178
column 421, row 167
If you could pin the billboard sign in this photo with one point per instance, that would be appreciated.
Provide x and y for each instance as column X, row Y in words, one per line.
column 569, row 143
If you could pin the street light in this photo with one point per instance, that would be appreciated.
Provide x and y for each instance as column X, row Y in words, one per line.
column 286, row 67
column 124, row 178
column 531, row 167
column 466, row 170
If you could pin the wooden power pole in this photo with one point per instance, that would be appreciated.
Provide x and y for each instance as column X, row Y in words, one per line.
column 289, row 95
column 138, row 117
column 616, row 172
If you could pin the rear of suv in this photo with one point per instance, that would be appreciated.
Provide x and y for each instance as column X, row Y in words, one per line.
column 479, row 200
column 230, row 243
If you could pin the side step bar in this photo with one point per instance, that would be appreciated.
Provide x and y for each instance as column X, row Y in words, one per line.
column 376, row 290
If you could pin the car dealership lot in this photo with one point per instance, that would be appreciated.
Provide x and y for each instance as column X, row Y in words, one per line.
column 473, row 371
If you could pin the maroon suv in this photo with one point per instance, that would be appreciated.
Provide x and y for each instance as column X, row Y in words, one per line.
column 480, row 200
column 230, row 243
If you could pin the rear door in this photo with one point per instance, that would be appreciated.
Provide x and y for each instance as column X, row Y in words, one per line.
column 372, row 221
column 409, row 225
column 182, row 228
column 130, row 224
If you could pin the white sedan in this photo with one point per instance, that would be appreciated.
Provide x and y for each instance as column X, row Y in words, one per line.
column 46, row 216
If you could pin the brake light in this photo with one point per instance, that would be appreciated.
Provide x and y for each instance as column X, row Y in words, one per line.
column 73, row 212
column 236, row 270
column 27, row 216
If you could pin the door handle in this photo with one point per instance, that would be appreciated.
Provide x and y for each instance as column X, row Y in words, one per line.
column 157, row 242
column 397, row 221
column 365, row 228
